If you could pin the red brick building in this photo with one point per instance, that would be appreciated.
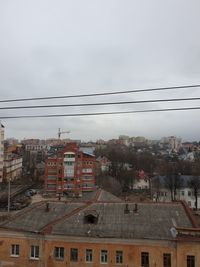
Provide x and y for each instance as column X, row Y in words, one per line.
column 70, row 169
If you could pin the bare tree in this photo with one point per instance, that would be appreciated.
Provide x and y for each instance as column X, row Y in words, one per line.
column 194, row 184
column 173, row 179
column 173, row 182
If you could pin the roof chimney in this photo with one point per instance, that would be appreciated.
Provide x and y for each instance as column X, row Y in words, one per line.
column 47, row 207
column 136, row 208
column 126, row 210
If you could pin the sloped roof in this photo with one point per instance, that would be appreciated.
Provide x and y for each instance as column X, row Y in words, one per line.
column 151, row 221
column 35, row 217
column 98, row 195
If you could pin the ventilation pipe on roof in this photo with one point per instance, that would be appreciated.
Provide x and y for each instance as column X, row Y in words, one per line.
column 47, row 207
column 126, row 210
column 136, row 208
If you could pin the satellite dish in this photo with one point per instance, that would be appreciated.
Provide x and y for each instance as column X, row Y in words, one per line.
column 173, row 232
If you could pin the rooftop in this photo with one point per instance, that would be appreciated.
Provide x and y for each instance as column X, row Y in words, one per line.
column 150, row 221
column 102, row 215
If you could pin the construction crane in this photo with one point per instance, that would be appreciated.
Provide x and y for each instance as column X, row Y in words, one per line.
column 59, row 133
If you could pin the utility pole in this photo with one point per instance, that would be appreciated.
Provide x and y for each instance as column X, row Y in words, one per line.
column 9, row 195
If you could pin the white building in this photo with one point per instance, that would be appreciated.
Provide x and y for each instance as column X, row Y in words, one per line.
column 185, row 193
column 141, row 181
column 173, row 142
column 124, row 140
column 1, row 151
column 12, row 167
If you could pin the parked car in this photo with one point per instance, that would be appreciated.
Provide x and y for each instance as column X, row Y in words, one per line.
column 28, row 193
column 33, row 191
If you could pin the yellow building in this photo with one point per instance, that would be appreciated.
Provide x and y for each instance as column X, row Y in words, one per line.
column 100, row 230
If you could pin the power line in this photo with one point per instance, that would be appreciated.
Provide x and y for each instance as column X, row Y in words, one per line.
column 102, row 94
column 103, row 103
column 98, row 113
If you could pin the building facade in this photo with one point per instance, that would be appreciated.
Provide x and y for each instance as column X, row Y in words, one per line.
column 70, row 169
column 99, row 233
column 12, row 167
column 12, row 162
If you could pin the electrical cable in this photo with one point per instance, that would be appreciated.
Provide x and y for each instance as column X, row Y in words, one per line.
column 103, row 103
column 98, row 113
column 102, row 94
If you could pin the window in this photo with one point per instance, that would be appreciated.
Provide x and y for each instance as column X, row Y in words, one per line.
column 69, row 163
column 69, row 156
column 14, row 250
column 190, row 261
column 90, row 218
column 51, row 186
column 51, row 177
column 119, row 256
column 104, row 256
column 166, row 260
column 87, row 177
column 86, row 170
column 88, row 255
column 182, row 193
column 145, row 259
column 59, row 253
column 189, row 193
column 34, row 252
column 73, row 254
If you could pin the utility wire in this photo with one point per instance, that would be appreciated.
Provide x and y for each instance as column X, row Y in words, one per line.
column 98, row 113
column 102, row 94
column 103, row 103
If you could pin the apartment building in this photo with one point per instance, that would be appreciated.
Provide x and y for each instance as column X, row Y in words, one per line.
column 12, row 162
column 70, row 169
column 12, row 167
column 36, row 147
column 101, row 232
column 34, row 155
column 1, row 151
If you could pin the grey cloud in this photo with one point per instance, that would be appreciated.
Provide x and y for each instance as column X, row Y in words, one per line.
column 74, row 47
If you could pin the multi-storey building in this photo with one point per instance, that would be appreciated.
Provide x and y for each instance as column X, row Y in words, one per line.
column 69, row 169
column 1, row 151
column 38, row 147
column 172, row 142
column 34, row 153
column 99, row 233
column 12, row 162
column 12, row 167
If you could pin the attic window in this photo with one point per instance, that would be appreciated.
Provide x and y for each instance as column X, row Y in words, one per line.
column 91, row 217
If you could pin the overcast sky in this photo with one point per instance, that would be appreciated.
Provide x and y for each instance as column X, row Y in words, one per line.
column 51, row 48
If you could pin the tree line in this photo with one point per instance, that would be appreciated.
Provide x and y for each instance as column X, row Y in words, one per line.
column 125, row 161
